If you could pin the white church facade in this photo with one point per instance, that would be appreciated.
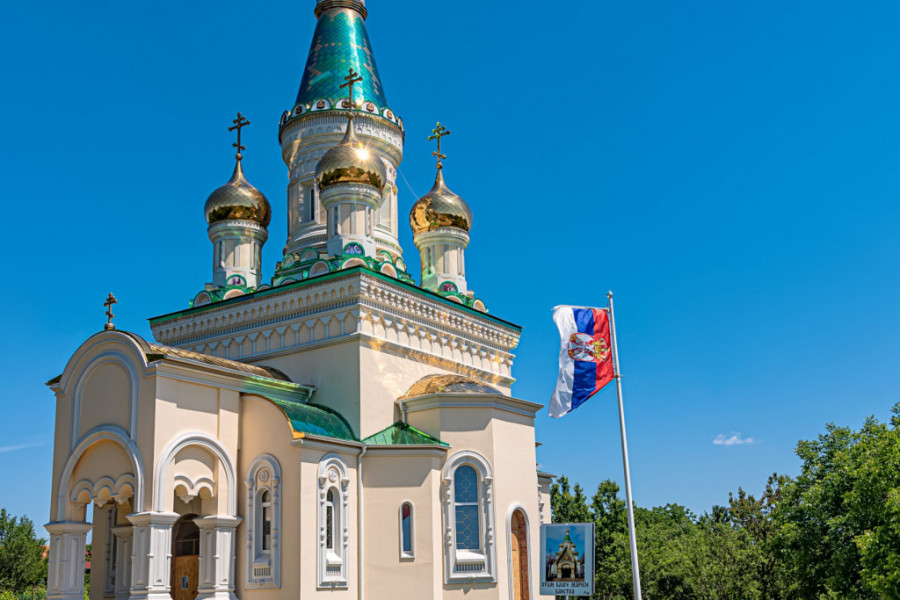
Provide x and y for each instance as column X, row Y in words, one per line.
column 339, row 432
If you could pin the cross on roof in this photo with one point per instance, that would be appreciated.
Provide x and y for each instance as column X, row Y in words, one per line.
column 110, row 300
column 240, row 122
column 351, row 78
column 437, row 133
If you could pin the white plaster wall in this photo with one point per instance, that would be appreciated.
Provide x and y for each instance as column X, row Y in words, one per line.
column 389, row 481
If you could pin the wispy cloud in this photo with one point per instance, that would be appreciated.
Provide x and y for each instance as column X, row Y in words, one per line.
column 734, row 439
column 16, row 447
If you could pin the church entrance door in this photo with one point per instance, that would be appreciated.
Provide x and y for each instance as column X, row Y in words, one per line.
column 185, row 558
column 519, row 555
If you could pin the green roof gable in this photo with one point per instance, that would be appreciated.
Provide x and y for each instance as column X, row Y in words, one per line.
column 401, row 434
column 315, row 419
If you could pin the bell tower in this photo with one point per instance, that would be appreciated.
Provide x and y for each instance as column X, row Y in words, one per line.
column 317, row 123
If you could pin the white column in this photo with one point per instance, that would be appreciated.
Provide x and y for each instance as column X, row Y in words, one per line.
column 151, row 558
column 65, row 564
column 124, row 535
column 217, row 557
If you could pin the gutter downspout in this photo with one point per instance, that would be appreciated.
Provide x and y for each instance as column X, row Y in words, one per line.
column 403, row 411
column 359, row 521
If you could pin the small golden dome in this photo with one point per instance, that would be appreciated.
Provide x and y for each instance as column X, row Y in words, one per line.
column 350, row 162
column 237, row 199
column 440, row 208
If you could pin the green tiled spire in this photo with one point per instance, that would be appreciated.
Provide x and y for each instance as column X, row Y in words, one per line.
column 340, row 43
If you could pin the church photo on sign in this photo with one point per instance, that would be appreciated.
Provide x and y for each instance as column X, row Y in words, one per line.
column 568, row 560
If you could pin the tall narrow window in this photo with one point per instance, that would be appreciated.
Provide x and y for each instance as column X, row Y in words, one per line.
column 468, row 527
column 265, row 501
column 329, row 520
column 264, row 523
column 311, row 204
column 470, row 552
column 406, row 530
column 333, row 519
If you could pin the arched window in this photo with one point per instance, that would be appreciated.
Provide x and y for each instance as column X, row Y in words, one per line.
column 333, row 531
column 407, row 530
column 468, row 523
column 265, row 518
column 264, row 523
column 330, row 522
column 468, row 519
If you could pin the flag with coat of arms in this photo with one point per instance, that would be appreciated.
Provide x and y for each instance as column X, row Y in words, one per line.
column 585, row 357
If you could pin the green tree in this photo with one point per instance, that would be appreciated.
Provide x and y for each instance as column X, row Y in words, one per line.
column 612, row 570
column 22, row 562
column 840, row 519
column 666, row 536
column 757, row 518
column 568, row 505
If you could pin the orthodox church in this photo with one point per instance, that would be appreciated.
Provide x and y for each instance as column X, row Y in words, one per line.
column 340, row 431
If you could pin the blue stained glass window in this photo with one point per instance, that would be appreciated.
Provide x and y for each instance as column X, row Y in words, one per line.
column 467, row 533
column 468, row 527
column 465, row 484
column 406, row 528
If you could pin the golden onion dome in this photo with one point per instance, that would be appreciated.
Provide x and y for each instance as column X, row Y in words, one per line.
column 350, row 162
column 440, row 208
column 237, row 199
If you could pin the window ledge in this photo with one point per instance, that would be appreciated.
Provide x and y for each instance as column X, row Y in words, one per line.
column 469, row 556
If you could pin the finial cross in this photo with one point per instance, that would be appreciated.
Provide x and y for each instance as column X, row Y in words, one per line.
column 240, row 122
column 110, row 300
column 351, row 78
column 437, row 133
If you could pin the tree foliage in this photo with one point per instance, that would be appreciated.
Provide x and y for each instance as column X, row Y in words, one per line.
column 831, row 532
column 22, row 562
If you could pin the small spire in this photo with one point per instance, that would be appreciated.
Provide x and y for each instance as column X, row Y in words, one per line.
column 437, row 133
column 110, row 300
column 239, row 123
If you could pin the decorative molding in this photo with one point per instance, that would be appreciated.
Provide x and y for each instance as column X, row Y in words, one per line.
column 333, row 562
column 112, row 433
column 515, row 406
column 263, row 568
column 367, row 304
column 193, row 438
column 466, row 566
column 111, row 357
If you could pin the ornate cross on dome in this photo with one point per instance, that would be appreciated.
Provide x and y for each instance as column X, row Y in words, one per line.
column 110, row 300
column 240, row 122
column 351, row 78
column 438, row 132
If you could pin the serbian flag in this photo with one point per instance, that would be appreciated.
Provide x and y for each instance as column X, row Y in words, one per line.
column 585, row 361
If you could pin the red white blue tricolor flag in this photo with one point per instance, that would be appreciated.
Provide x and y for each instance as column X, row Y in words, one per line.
column 585, row 360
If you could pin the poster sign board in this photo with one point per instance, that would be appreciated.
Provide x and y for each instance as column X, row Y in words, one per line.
column 567, row 559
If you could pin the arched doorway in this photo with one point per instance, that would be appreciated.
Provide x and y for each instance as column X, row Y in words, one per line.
column 185, row 558
column 518, row 539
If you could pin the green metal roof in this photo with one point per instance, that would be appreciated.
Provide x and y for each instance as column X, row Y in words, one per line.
column 401, row 434
column 340, row 43
column 316, row 419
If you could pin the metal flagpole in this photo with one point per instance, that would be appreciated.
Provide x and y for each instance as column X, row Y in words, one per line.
column 635, row 571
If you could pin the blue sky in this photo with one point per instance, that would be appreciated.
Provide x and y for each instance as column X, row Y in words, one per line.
column 729, row 169
column 556, row 535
